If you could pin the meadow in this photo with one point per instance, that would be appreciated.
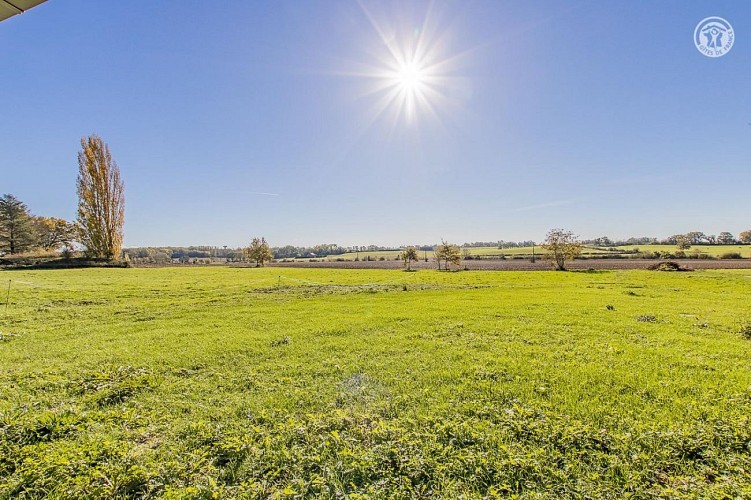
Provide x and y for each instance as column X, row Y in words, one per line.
column 283, row 382
column 712, row 251
column 482, row 252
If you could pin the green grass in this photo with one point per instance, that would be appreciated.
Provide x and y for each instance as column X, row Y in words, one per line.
column 228, row 382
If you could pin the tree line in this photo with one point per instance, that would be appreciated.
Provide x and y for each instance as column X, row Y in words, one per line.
column 21, row 231
column 690, row 238
column 98, row 227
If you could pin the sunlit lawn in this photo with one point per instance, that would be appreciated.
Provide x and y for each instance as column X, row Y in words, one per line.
column 275, row 382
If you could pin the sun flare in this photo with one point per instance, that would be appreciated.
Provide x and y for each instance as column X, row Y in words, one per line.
column 411, row 78
column 410, row 81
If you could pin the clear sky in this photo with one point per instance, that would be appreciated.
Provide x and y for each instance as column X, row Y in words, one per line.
column 383, row 122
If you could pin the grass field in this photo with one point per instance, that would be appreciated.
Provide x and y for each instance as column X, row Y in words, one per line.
column 225, row 382
column 474, row 251
column 711, row 250
column 494, row 252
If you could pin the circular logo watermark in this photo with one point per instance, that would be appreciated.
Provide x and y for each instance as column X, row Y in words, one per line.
column 714, row 37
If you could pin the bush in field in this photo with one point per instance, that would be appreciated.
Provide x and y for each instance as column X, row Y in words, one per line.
column 561, row 246
column 667, row 266
column 731, row 255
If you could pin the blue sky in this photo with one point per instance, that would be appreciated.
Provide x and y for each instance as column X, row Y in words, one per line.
column 238, row 119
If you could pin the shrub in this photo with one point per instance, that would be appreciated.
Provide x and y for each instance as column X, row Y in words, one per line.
column 731, row 255
column 667, row 266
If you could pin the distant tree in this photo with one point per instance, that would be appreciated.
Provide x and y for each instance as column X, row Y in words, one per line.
column 16, row 227
column 642, row 240
column 161, row 257
column 448, row 253
column 101, row 200
column 725, row 238
column 409, row 255
column 745, row 236
column 259, row 251
column 54, row 233
column 561, row 246
column 696, row 237
column 683, row 241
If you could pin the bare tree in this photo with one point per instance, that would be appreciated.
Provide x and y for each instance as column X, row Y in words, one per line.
column 561, row 246
column 101, row 200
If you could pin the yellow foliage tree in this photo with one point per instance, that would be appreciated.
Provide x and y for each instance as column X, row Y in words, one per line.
column 259, row 251
column 449, row 254
column 101, row 200
column 53, row 233
column 561, row 246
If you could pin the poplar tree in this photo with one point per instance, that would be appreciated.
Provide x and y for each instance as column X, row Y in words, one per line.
column 101, row 200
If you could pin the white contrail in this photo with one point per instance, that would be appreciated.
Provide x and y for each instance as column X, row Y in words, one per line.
column 545, row 205
column 264, row 194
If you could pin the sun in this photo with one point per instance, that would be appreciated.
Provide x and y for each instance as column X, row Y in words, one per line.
column 412, row 74
column 410, row 78
column 409, row 84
